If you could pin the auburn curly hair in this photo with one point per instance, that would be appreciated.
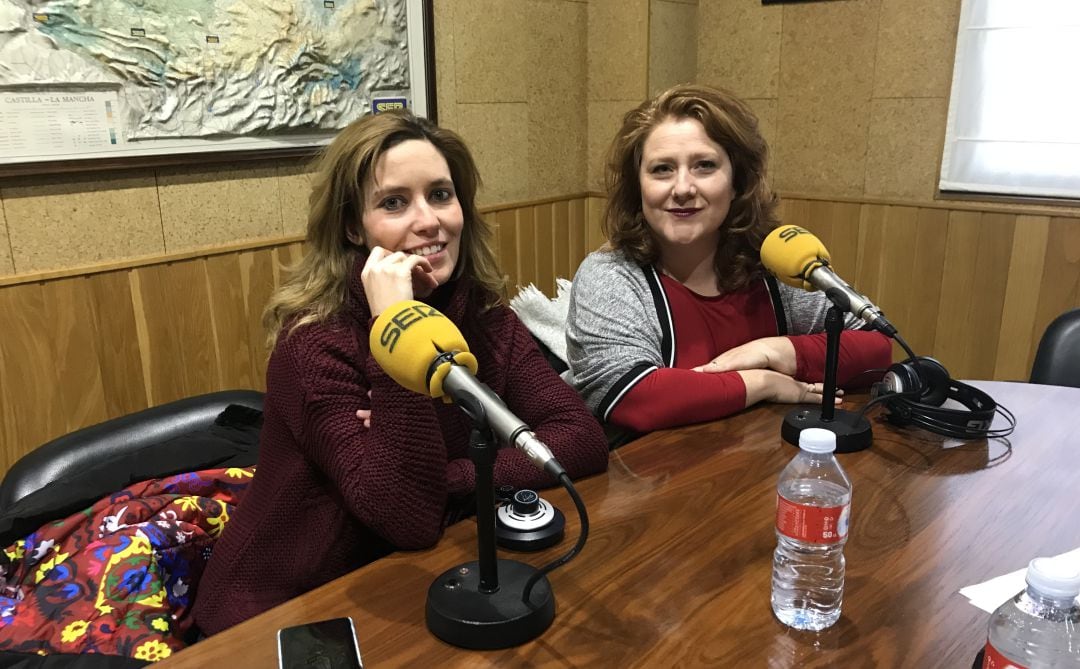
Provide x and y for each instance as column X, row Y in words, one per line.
column 729, row 122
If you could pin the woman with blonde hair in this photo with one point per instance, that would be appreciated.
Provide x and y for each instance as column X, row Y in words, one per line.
column 352, row 465
column 675, row 321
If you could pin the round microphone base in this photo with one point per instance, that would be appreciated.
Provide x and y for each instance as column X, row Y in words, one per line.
column 461, row 615
column 852, row 431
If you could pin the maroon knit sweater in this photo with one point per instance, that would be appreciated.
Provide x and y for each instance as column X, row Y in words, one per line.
column 330, row 495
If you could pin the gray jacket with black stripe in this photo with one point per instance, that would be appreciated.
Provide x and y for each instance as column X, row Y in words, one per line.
column 619, row 326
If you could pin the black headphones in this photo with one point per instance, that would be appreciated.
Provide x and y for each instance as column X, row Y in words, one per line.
column 914, row 390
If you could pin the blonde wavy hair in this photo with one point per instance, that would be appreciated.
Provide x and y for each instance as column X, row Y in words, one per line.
column 729, row 122
column 317, row 285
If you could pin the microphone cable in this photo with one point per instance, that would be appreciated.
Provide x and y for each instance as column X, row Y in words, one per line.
column 583, row 535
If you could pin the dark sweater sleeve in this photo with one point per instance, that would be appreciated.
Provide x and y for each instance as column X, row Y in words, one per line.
column 390, row 477
column 669, row 396
column 558, row 416
column 860, row 351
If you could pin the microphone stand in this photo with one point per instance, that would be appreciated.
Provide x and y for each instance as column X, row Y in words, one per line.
column 852, row 430
column 481, row 604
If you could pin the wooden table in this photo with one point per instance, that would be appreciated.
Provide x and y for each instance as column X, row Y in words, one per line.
column 678, row 564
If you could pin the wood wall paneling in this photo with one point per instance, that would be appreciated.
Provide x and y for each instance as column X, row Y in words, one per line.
column 593, row 221
column 543, row 247
column 1018, row 334
column 1060, row 287
column 974, row 289
column 578, row 234
column 31, row 408
column 507, row 249
column 560, row 241
column 526, row 246
column 73, row 327
column 119, row 346
column 224, row 284
column 926, row 264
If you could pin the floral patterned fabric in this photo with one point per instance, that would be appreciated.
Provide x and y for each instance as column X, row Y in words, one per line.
column 119, row 577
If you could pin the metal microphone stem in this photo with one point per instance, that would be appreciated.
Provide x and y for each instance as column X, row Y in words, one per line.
column 834, row 323
column 481, row 604
column 851, row 429
column 482, row 451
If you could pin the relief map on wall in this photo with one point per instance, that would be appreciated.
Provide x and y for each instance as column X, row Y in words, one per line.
column 200, row 68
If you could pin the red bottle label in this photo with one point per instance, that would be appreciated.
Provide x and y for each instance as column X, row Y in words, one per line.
column 813, row 524
column 992, row 659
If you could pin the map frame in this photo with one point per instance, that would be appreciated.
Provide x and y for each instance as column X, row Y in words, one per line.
column 193, row 150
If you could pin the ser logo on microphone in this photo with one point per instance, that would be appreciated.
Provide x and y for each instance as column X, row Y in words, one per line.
column 791, row 232
column 403, row 320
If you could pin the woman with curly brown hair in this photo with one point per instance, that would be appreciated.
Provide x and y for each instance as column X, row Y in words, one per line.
column 352, row 465
column 675, row 320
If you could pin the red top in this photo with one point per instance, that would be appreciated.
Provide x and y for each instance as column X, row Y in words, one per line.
column 705, row 327
column 330, row 495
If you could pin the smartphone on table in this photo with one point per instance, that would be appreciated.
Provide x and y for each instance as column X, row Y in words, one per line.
column 328, row 644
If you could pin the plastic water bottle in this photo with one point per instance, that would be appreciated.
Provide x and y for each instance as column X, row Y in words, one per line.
column 813, row 507
column 1040, row 626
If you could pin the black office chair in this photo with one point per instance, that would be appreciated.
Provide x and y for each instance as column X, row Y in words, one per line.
column 1057, row 361
column 70, row 473
column 184, row 435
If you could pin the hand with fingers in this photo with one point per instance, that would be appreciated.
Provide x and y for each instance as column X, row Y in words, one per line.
column 392, row 276
column 775, row 353
column 772, row 386
column 365, row 414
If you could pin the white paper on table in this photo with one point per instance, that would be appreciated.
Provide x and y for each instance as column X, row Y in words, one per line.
column 991, row 594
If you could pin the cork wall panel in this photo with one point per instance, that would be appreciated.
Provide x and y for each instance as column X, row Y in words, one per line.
column 293, row 190
column 826, row 80
column 555, row 87
column 6, row 265
column 66, row 220
column 915, row 45
column 618, row 49
column 497, row 135
column 490, row 63
column 765, row 110
column 209, row 207
column 445, row 64
column 671, row 28
column 605, row 118
column 820, row 146
column 905, row 136
column 738, row 46
column 828, row 50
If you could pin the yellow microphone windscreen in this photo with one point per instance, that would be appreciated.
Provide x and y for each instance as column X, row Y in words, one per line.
column 406, row 339
column 791, row 253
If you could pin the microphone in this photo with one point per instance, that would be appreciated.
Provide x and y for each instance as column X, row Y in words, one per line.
column 799, row 259
column 422, row 350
